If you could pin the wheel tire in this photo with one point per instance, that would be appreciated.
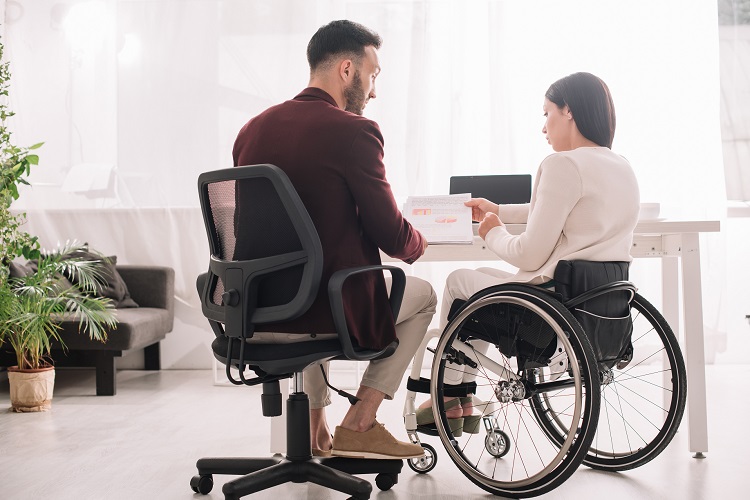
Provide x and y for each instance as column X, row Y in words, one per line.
column 521, row 324
column 649, row 326
column 386, row 481
column 202, row 484
column 425, row 464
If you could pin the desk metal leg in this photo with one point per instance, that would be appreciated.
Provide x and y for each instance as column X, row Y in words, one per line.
column 695, row 355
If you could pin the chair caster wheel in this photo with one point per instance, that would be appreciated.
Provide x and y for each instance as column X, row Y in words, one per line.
column 497, row 443
column 386, row 481
column 202, row 484
column 426, row 463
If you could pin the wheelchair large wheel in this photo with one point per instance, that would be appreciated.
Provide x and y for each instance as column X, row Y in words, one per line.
column 535, row 346
column 643, row 397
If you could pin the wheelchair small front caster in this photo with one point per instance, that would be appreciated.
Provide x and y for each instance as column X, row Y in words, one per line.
column 202, row 484
column 497, row 443
column 426, row 463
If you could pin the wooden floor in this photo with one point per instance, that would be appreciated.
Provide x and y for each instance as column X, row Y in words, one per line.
column 143, row 444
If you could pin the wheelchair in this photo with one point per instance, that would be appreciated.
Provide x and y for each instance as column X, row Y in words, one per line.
column 589, row 372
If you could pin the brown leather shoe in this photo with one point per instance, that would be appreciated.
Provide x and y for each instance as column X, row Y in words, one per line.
column 374, row 443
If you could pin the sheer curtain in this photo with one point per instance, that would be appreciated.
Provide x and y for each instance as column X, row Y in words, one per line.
column 734, row 39
column 145, row 95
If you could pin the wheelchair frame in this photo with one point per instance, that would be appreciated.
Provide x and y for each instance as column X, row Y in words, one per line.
column 578, row 440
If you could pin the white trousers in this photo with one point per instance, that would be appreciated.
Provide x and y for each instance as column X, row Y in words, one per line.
column 385, row 375
column 462, row 284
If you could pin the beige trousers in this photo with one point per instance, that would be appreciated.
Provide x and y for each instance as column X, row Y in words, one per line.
column 385, row 375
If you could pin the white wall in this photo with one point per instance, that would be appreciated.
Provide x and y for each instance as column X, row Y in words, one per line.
column 158, row 89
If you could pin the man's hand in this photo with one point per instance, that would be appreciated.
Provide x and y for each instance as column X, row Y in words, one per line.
column 490, row 221
column 424, row 245
column 480, row 207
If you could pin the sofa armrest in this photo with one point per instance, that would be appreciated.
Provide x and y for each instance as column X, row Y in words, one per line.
column 149, row 286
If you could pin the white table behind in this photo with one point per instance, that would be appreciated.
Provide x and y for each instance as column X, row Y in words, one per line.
column 674, row 242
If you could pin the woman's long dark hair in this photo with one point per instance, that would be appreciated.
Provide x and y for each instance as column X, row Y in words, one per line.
column 590, row 103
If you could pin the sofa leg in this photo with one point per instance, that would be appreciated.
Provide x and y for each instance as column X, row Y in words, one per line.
column 105, row 373
column 152, row 357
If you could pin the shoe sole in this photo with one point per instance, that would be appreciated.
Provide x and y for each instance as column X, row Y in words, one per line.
column 456, row 425
column 376, row 456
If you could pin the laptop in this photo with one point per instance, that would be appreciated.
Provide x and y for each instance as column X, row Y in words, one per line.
column 501, row 189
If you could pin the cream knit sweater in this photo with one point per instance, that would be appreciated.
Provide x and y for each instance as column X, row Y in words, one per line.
column 584, row 206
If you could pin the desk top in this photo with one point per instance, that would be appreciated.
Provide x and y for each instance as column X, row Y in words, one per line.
column 659, row 226
column 648, row 241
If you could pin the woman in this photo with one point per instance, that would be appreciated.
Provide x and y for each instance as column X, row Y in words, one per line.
column 584, row 206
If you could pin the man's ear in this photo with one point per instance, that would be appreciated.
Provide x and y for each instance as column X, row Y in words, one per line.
column 346, row 69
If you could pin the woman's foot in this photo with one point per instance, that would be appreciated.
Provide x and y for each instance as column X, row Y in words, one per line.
column 471, row 421
column 426, row 419
column 457, row 409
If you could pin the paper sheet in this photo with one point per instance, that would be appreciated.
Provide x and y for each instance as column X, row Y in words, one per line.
column 442, row 218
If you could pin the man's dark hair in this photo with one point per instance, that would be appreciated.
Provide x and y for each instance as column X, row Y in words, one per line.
column 590, row 103
column 340, row 37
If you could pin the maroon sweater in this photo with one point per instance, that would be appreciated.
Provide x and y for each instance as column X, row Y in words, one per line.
column 335, row 161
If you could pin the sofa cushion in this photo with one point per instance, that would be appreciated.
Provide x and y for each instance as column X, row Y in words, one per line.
column 136, row 328
column 114, row 287
column 18, row 270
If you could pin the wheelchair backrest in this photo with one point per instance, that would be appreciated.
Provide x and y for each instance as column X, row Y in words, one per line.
column 598, row 294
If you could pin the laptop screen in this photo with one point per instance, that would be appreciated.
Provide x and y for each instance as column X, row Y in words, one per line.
column 501, row 189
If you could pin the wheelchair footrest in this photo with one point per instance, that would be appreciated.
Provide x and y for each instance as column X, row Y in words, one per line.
column 459, row 391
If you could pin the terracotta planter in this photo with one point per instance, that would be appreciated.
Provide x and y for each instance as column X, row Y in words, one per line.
column 31, row 390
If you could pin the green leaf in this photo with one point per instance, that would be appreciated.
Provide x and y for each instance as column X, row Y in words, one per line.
column 33, row 159
column 36, row 146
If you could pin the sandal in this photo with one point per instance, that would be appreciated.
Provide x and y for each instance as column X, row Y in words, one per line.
column 471, row 422
column 426, row 419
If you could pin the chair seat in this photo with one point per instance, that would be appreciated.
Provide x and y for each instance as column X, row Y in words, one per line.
column 279, row 358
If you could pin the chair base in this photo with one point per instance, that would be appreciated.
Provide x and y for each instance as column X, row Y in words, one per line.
column 299, row 466
column 258, row 474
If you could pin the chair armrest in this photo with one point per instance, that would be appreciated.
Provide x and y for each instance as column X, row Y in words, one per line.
column 149, row 286
column 601, row 290
column 335, row 287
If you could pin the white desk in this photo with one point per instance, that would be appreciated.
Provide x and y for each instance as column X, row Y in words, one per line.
column 158, row 236
column 670, row 241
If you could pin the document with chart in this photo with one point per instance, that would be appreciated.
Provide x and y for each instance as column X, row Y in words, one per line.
column 441, row 219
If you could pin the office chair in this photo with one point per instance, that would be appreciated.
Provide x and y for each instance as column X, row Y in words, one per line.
column 264, row 270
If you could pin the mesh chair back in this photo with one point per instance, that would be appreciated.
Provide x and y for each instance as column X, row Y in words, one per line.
column 221, row 197
column 256, row 223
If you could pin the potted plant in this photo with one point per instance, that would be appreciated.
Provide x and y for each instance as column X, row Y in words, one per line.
column 31, row 304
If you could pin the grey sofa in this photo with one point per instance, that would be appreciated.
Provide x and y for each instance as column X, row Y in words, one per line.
column 143, row 327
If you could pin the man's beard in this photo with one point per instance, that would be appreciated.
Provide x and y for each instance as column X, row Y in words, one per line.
column 354, row 95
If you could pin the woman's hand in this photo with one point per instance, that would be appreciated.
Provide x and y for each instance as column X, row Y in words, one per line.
column 480, row 207
column 490, row 221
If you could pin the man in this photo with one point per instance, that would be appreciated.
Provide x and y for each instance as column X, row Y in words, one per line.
column 334, row 158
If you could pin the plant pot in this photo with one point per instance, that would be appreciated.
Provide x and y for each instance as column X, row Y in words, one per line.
column 31, row 390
